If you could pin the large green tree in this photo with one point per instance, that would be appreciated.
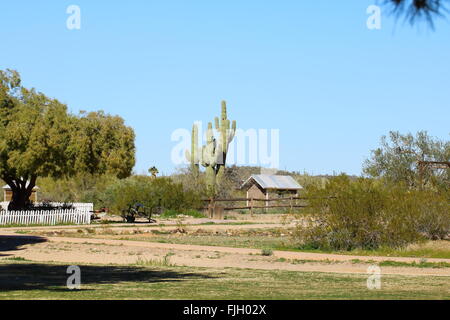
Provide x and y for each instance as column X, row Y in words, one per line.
column 399, row 154
column 40, row 138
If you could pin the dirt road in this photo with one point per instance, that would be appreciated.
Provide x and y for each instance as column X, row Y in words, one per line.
column 125, row 252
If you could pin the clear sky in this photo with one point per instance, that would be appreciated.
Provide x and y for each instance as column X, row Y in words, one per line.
column 309, row 68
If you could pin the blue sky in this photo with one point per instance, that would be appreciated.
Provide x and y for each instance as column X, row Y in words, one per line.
column 309, row 68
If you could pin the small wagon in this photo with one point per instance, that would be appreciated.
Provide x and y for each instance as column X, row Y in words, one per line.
column 138, row 210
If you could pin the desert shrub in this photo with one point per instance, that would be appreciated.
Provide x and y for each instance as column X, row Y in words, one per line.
column 368, row 214
column 433, row 214
column 126, row 193
column 81, row 188
column 266, row 252
column 156, row 194
column 306, row 180
column 190, row 180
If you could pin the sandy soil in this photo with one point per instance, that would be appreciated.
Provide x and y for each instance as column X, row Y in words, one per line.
column 145, row 228
column 107, row 251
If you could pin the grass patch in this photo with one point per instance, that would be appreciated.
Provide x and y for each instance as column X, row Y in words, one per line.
column 25, row 280
column 14, row 259
column 430, row 249
column 168, row 214
column 421, row 264
column 164, row 262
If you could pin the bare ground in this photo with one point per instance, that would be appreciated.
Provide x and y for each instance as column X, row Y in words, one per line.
column 124, row 252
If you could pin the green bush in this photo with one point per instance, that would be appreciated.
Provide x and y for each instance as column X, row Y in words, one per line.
column 266, row 252
column 367, row 214
column 155, row 194
column 433, row 217
column 81, row 188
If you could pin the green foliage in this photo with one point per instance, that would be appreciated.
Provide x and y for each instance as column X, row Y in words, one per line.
column 433, row 213
column 40, row 138
column 191, row 181
column 101, row 144
column 396, row 160
column 156, row 194
column 367, row 214
column 306, row 180
column 80, row 188
column 267, row 252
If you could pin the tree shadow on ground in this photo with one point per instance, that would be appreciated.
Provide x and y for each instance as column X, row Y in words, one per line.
column 36, row 276
column 13, row 242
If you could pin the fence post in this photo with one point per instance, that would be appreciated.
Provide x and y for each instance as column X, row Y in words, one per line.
column 291, row 204
column 211, row 208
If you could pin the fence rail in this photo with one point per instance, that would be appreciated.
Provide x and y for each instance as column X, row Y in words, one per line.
column 75, row 205
column 251, row 203
column 45, row 217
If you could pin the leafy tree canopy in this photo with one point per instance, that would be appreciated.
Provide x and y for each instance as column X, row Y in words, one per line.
column 397, row 159
column 40, row 138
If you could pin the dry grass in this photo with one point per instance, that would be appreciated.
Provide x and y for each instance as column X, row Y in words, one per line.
column 270, row 238
column 26, row 280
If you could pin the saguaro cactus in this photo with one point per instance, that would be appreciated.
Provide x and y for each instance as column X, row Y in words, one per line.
column 226, row 135
column 213, row 155
column 210, row 154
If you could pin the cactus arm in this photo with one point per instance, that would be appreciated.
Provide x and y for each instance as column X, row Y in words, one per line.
column 204, row 163
column 217, row 123
column 232, row 132
column 194, row 147
column 193, row 155
column 224, row 110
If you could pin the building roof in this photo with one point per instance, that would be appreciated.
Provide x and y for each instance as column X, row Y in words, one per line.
column 266, row 181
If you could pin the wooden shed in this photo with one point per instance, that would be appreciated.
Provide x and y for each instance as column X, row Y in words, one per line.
column 265, row 186
column 7, row 194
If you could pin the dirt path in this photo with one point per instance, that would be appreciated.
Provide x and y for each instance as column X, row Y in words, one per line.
column 106, row 251
column 216, row 226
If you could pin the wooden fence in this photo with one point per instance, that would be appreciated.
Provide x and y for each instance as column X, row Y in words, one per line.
column 252, row 204
column 45, row 217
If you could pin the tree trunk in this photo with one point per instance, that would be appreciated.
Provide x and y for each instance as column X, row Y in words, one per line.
column 21, row 194
column 20, row 200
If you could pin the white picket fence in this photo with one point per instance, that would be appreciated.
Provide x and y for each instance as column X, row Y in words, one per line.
column 77, row 206
column 45, row 217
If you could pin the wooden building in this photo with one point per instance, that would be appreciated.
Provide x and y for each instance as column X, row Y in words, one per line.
column 7, row 194
column 265, row 186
